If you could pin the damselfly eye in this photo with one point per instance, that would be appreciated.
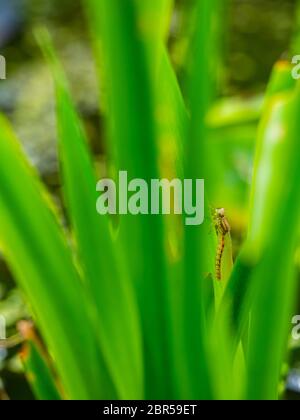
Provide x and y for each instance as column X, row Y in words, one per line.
column 220, row 212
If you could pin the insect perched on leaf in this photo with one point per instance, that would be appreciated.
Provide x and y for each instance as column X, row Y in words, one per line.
column 222, row 228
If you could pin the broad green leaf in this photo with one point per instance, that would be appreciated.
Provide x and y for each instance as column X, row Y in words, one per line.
column 274, row 277
column 268, row 185
column 36, row 364
column 36, row 251
column 154, row 36
column 133, row 136
column 198, row 243
column 117, row 322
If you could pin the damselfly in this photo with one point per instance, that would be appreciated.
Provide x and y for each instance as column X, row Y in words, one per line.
column 222, row 228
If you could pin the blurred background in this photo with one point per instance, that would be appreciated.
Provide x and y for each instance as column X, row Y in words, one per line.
column 259, row 33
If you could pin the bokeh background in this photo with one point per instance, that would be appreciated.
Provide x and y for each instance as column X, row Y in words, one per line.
column 259, row 33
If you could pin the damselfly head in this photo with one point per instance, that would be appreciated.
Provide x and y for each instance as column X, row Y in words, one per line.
column 220, row 212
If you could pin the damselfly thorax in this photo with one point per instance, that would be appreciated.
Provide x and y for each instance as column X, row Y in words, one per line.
column 222, row 229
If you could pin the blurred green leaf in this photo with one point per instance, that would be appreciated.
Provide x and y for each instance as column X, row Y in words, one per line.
column 198, row 242
column 133, row 134
column 37, row 369
column 37, row 253
column 117, row 321
column 274, row 276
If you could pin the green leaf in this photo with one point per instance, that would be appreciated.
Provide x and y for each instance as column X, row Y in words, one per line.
column 199, row 243
column 117, row 322
column 36, row 364
column 36, row 251
column 268, row 186
column 274, row 279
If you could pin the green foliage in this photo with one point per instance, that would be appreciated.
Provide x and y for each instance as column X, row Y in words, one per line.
column 136, row 312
